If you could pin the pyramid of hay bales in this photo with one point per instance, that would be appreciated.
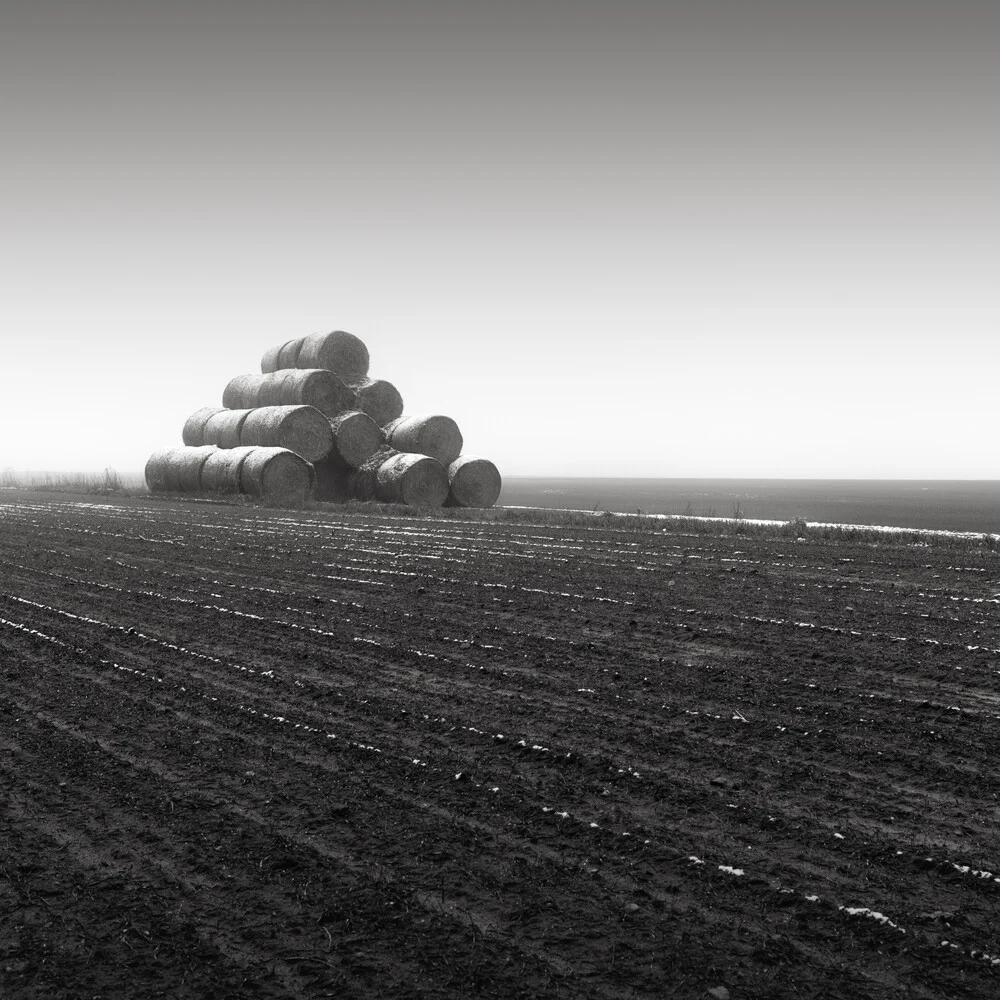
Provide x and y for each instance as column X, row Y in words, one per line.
column 314, row 424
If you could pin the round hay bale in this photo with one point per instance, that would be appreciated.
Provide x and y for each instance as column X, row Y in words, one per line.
column 325, row 390
column 362, row 483
column 221, row 471
column 430, row 434
column 282, row 356
column 338, row 351
column 224, row 428
column 156, row 472
column 302, row 429
column 177, row 470
column 277, row 476
column 241, row 392
column 188, row 463
column 414, row 480
column 379, row 399
column 473, row 482
column 194, row 427
column 356, row 437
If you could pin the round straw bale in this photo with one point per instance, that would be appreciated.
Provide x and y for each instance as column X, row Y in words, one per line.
column 221, row 471
column 194, row 427
column 338, row 351
column 473, row 482
column 379, row 399
column 325, row 390
column 156, row 470
column 277, row 476
column 176, row 470
column 224, row 428
column 302, row 429
column 282, row 356
column 241, row 392
column 363, row 481
column 356, row 437
column 415, row 480
column 430, row 434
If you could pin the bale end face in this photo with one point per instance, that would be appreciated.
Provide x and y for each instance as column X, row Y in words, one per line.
column 339, row 352
column 414, row 480
column 277, row 476
column 473, row 482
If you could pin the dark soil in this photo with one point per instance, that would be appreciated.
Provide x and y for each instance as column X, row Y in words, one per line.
column 248, row 753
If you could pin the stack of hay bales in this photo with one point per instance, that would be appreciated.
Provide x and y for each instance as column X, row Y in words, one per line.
column 315, row 401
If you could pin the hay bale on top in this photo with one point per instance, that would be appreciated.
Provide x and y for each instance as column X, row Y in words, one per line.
column 282, row 356
column 325, row 390
column 379, row 399
column 302, row 429
column 224, row 428
column 241, row 393
column 338, row 351
column 221, row 471
column 414, row 480
column 430, row 434
column 277, row 476
column 356, row 437
column 194, row 427
column 473, row 482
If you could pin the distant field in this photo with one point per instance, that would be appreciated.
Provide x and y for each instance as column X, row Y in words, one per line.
column 942, row 504
column 369, row 753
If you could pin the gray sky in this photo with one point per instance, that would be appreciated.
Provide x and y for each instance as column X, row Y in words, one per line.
column 733, row 239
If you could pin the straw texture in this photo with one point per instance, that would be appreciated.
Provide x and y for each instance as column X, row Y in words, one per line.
column 221, row 471
column 338, row 351
column 176, row 470
column 356, row 437
column 429, row 434
column 282, row 356
column 316, row 387
column 415, row 480
column 224, row 428
column 277, row 476
column 379, row 399
column 473, row 482
column 194, row 427
column 241, row 392
column 302, row 429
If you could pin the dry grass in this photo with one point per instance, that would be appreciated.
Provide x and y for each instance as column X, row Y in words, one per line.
column 108, row 483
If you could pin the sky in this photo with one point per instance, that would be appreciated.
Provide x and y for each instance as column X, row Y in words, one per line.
column 609, row 239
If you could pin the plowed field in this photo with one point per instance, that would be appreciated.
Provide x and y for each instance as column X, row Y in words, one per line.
column 248, row 753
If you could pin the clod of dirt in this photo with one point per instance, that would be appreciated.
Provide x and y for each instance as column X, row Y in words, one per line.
column 719, row 993
column 719, row 781
column 631, row 907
